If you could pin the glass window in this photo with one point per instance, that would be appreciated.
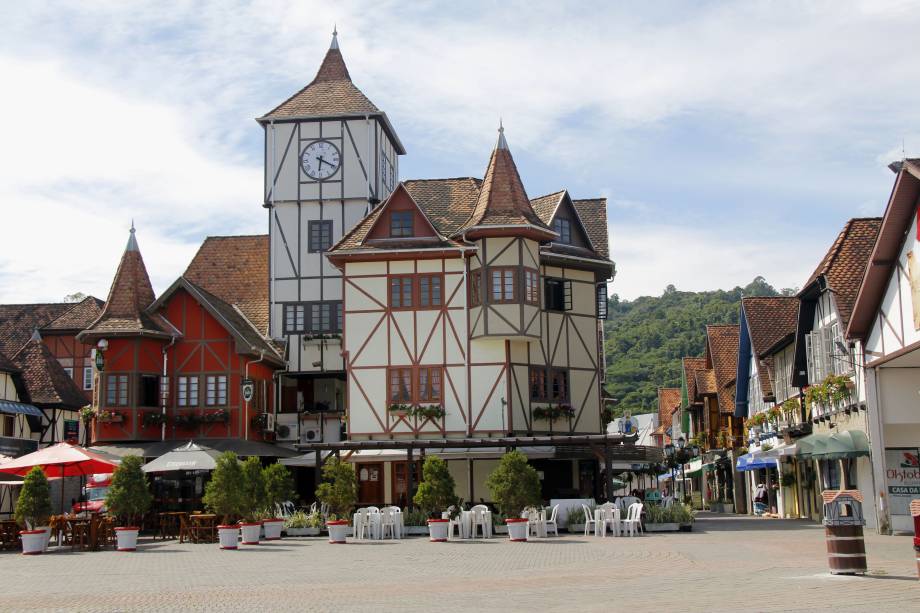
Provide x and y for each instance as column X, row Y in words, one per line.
column 116, row 390
column 87, row 377
column 69, row 372
column 400, row 385
column 321, row 317
column 429, row 289
column 216, row 390
column 401, row 223
column 563, row 228
column 148, row 391
column 559, row 385
column 187, row 391
column 502, row 284
column 294, row 318
column 537, row 384
column 601, row 300
column 400, row 292
column 531, row 287
column 429, row 384
column 320, row 231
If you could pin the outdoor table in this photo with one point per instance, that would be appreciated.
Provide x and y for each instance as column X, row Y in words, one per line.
column 601, row 514
column 169, row 524
column 79, row 529
column 203, row 526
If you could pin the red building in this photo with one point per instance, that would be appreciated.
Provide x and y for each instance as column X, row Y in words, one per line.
column 174, row 366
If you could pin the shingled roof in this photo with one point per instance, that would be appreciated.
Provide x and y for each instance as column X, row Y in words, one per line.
column 690, row 366
column 331, row 92
column 722, row 350
column 668, row 399
column 502, row 198
column 47, row 383
column 131, row 293
column 845, row 263
column 78, row 317
column 235, row 270
column 7, row 365
column 770, row 320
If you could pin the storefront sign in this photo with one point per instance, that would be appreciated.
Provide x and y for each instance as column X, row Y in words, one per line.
column 902, row 476
column 249, row 388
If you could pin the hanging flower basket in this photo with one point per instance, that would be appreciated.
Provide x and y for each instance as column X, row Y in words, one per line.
column 554, row 413
column 218, row 416
column 109, row 416
column 154, row 418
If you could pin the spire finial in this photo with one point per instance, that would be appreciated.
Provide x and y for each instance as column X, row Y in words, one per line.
column 132, row 242
column 36, row 335
column 335, row 37
column 502, row 143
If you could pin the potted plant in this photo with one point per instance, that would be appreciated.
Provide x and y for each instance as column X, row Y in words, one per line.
column 33, row 509
column 301, row 523
column 279, row 487
column 253, row 495
column 514, row 486
column 339, row 490
column 128, row 499
column 223, row 495
column 436, row 493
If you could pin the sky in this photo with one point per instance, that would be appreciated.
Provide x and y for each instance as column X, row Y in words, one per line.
column 731, row 139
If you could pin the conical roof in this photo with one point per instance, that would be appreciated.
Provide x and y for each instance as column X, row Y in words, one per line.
column 331, row 92
column 131, row 293
column 502, row 199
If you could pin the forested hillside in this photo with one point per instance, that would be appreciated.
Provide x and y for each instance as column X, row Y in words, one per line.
column 646, row 337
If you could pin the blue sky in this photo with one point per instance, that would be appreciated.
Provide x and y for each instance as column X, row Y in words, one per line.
column 732, row 139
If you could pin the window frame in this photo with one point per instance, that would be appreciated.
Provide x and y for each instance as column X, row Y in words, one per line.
column 217, row 379
column 401, row 281
column 564, row 230
column 287, row 329
column 336, row 317
column 88, row 370
column 402, row 230
column 184, row 397
column 504, row 276
column 544, row 378
column 531, row 291
column 566, row 285
column 117, row 395
column 424, row 396
column 420, row 278
column 400, row 372
column 600, row 297
column 323, row 241
column 142, row 399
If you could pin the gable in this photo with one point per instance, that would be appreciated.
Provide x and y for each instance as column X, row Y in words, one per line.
column 566, row 212
column 400, row 202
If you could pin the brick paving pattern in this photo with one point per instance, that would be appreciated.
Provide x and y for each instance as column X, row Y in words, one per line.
column 726, row 564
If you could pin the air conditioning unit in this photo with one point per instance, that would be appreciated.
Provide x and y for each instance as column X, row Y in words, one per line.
column 310, row 435
column 285, row 433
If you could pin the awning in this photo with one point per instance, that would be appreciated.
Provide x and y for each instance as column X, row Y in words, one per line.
column 695, row 468
column 187, row 457
column 846, row 444
column 780, row 451
column 19, row 408
column 754, row 462
column 811, row 445
column 240, row 447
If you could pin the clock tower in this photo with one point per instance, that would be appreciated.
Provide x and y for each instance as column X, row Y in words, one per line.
column 330, row 156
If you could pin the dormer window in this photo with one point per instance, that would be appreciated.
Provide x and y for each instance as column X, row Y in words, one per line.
column 401, row 224
column 563, row 227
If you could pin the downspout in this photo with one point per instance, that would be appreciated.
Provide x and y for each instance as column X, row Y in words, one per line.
column 367, row 136
column 246, row 376
column 466, row 319
column 164, row 392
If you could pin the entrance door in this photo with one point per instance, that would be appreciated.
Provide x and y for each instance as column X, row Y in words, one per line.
column 370, row 484
column 400, row 498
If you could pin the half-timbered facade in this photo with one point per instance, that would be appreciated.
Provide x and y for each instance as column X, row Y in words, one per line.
column 885, row 323
column 330, row 156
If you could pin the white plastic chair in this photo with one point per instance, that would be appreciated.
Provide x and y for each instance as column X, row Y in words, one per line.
column 479, row 518
column 589, row 520
column 631, row 523
column 361, row 524
column 387, row 523
column 552, row 521
column 398, row 526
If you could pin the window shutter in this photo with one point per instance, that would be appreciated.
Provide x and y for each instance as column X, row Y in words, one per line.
column 810, row 358
column 567, row 295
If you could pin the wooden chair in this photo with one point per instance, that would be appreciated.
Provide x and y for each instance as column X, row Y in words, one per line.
column 186, row 530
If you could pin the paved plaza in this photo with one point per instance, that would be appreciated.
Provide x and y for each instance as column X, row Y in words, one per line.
column 727, row 563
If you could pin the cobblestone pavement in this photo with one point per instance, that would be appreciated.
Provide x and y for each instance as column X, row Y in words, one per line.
column 727, row 563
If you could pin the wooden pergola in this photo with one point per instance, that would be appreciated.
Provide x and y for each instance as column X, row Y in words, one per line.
column 607, row 448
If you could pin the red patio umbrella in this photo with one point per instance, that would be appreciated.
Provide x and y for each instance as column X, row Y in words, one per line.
column 61, row 460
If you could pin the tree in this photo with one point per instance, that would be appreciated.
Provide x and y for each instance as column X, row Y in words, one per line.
column 75, row 297
column 279, row 485
column 33, row 507
column 223, row 494
column 128, row 497
column 514, row 484
column 253, row 488
column 436, row 491
column 339, row 488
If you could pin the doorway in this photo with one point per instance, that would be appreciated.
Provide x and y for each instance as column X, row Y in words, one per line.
column 370, row 484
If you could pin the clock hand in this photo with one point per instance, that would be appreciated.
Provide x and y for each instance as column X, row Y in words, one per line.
column 322, row 161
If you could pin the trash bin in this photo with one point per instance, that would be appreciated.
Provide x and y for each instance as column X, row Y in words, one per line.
column 915, row 512
column 843, row 529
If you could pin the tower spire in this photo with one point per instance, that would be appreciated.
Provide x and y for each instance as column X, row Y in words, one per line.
column 335, row 37
column 132, row 242
column 502, row 143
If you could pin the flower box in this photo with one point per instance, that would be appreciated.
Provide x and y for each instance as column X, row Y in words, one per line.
column 302, row 531
column 668, row 527
column 220, row 416
column 110, row 416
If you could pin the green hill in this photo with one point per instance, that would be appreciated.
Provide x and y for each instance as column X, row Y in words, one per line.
column 646, row 337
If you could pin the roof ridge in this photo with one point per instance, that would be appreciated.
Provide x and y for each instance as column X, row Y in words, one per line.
column 443, row 179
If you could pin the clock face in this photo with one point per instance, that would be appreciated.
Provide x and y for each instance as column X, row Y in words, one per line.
column 320, row 160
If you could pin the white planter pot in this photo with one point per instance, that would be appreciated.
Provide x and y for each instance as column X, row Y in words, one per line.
column 273, row 529
column 517, row 529
column 251, row 532
column 503, row 529
column 127, row 538
column 228, row 536
column 437, row 530
column 33, row 541
column 47, row 540
column 338, row 530
column 302, row 531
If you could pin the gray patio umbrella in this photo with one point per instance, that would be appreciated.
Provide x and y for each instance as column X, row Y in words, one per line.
column 188, row 457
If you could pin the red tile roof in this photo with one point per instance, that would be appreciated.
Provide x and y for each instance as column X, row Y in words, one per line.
column 7, row 365
column 770, row 320
column 690, row 366
column 235, row 270
column 80, row 316
column 593, row 214
column 722, row 350
column 47, row 383
column 668, row 399
column 845, row 263
column 19, row 321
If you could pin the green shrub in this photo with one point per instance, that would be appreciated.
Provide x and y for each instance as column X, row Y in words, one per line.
column 302, row 519
column 33, row 507
column 128, row 497
column 415, row 517
column 339, row 489
column 677, row 513
column 436, row 491
column 223, row 494
column 253, row 489
column 514, row 484
column 279, row 485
